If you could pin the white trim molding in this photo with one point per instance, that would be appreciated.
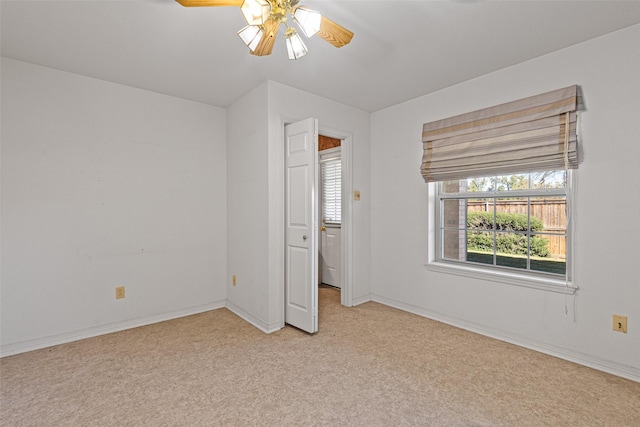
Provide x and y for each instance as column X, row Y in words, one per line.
column 265, row 327
column 361, row 300
column 495, row 275
column 94, row 331
column 604, row 365
column 346, row 241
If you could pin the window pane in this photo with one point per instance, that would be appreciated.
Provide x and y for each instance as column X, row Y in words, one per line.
column 549, row 179
column 552, row 212
column 480, row 257
column 454, row 245
column 510, row 182
column 512, row 214
column 480, row 214
column 456, row 186
column 549, row 242
column 453, row 213
column 511, row 261
column 513, row 182
column 478, row 184
column 553, row 263
column 511, row 250
column 480, row 246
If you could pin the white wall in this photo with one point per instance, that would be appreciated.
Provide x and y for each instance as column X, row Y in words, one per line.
column 105, row 185
column 607, row 204
column 287, row 104
column 256, row 195
column 247, row 205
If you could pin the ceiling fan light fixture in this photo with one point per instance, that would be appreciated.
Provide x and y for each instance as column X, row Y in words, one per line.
column 264, row 18
column 256, row 12
column 251, row 35
column 308, row 20
column 295, row 47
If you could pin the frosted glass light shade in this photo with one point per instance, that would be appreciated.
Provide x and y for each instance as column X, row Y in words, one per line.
column 308, row 20
column 295, row 47
column 256, row 12
column 251, row 35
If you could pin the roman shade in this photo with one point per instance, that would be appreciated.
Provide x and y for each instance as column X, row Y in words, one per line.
column 532, row 134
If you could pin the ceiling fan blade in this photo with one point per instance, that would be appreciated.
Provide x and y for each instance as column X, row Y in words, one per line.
column 193, row 3
column 265, row 46
column 335, row 34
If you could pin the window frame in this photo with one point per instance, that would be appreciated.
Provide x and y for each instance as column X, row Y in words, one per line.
column 334, row 156
column 526, row 278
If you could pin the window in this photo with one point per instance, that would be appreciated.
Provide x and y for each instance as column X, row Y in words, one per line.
column 512, row 223
column 330, row 170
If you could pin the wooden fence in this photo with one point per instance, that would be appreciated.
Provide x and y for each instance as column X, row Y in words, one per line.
column 551, row 211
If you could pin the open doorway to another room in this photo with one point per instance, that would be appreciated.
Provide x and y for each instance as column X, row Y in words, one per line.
column 330, row 212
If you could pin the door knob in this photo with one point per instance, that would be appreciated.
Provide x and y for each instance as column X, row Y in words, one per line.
column 304, row 238
column 323, row 228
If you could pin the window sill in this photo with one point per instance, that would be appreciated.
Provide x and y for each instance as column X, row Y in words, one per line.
column 542, row 283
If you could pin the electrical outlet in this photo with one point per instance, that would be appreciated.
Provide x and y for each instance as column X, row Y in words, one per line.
column 620, row 323
column 120, row 292
column 233, row 280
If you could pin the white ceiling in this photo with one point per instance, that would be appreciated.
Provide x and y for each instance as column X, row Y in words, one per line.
column 401, row 49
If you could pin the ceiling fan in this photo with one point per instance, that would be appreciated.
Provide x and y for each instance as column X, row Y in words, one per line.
column 265, row 16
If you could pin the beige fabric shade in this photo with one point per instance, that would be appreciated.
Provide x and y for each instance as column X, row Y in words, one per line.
column 532, row 134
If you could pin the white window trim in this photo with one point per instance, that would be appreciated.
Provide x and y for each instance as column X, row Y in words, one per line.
column 527, row 280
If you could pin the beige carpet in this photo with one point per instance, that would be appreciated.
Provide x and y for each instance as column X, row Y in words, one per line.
column 369, row 365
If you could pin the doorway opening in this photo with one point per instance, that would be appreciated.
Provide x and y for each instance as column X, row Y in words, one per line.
column 302, row 220
column 330, row 211
column 346, row 206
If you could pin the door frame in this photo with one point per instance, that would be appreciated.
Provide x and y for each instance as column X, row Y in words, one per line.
column 346, row 244
column 346, row 294
column 333, row 153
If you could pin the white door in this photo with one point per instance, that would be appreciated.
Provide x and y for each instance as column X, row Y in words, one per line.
column 301, row 274
column 331, row 255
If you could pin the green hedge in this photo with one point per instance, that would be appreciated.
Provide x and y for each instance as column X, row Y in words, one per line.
column 504, row 221
column 507, row 243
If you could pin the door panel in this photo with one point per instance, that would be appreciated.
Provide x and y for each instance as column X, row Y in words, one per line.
column 331, row 257
column 298, row 273
column 301, row 278
column 298, row 180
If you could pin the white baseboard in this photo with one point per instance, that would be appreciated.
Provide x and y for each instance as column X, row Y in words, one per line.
column 604, row 365
column 608, row 366
column 38, row 343
column 258, row 323
column 361, row 300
